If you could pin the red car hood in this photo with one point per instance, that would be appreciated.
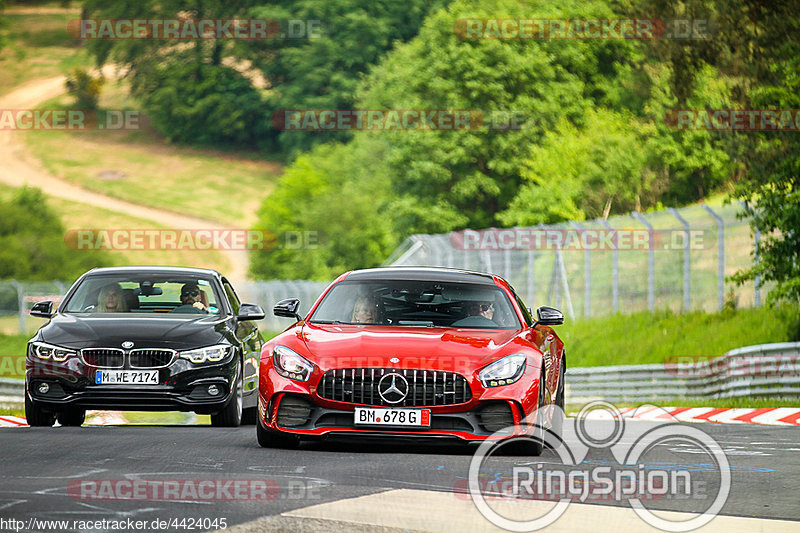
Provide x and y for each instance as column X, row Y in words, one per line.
column 458, row 350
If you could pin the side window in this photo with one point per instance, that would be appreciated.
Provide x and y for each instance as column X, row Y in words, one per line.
column 232, row 298
column 525, row 312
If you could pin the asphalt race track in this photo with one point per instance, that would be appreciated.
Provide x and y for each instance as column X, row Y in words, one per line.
column 41, row 468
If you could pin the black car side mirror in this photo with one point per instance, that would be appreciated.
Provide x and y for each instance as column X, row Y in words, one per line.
column 548, row 316
column 250, row 312
column 287, row 308
column 42, row 309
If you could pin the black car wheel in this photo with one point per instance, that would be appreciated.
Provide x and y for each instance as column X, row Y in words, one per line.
column 72, row 417
column 231, row 414
column 36, row 415
column 271, row 439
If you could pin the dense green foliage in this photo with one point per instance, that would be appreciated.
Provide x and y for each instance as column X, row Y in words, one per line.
column 32, row 243
column 84, row 87
column 320, row 61
column 593, row 135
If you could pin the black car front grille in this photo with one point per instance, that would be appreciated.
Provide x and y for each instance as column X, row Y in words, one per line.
column 139, row 358
column 103, row 357
column 150, row 358
column 425, row 387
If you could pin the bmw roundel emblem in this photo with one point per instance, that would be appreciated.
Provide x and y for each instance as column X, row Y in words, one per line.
column 394, row 360
column 127, row 345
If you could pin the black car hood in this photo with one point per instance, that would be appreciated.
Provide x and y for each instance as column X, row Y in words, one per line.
column 90, row 330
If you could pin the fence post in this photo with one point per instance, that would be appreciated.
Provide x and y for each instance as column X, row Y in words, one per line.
column 587, row 276
column 651, row 300
column 756, row 261
column 756, row 244
column 686, row 265
column 531, row 278
column 21, row 322
column 614, row 271
column 721, row 254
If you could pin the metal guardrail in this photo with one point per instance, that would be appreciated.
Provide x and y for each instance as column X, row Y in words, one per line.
column 12, row 392
column 764, row 370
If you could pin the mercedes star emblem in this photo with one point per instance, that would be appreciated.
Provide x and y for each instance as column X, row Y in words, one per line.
column 393, row 388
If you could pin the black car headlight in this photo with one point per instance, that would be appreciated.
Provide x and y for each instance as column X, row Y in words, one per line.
column 42, row 350
column 210, row 354
column 290, row 364
column 503, row 371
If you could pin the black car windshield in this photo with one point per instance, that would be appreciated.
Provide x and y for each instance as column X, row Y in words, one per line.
column 144, row 293
column 417, row 303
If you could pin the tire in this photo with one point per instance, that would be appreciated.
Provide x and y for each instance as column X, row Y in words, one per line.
column 558, row 415
column 36, row 415
column 231, row 414
column 531, row 445
column 73, row 417
column 272, row 439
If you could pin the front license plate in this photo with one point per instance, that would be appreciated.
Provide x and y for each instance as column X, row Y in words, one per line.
column 370, row 416
column 126, row 377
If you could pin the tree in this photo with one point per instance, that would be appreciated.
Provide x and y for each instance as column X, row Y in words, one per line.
column 445, row 180
column 756, row 45
column 337, row 195
column 323, row 56
column 32, row 243
column 192, row 88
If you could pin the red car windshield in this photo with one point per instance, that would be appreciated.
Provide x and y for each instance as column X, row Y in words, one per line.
column 417, row 303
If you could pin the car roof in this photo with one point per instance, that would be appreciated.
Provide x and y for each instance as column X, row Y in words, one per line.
column 154, row 270
column 412, row 273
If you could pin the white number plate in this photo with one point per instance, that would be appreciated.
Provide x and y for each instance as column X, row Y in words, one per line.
column 370, row 416
column 126, row 377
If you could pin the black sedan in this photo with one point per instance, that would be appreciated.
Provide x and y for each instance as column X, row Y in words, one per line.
column 145, row 339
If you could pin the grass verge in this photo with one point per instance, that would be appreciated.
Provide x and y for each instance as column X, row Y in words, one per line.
column 642, row 338
column 139, row 166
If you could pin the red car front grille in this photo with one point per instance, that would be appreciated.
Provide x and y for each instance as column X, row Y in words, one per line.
column 422, row 387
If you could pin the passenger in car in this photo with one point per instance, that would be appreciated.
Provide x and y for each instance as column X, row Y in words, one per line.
column 111, row 299
column 193, row 295
column 367, row 310
column 483, row 309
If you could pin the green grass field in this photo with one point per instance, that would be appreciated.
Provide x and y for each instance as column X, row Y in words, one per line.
column 38, row 46
column 643, row 337
column 226, row 187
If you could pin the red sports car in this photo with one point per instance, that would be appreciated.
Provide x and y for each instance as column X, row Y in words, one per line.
column 411, row 352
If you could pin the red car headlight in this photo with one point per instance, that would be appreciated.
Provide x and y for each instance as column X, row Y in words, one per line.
column 290, row 364
column 503, row 371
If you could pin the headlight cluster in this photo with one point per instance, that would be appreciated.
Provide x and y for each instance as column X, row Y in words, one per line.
column 290, row 364
column 211, row 354
column 503, row 371
column 43, row 350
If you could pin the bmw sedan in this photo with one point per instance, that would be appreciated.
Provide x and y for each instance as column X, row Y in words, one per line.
column 146, row 339
column 414, row 353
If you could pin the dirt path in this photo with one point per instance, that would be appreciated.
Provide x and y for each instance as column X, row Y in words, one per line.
column 18, row 168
